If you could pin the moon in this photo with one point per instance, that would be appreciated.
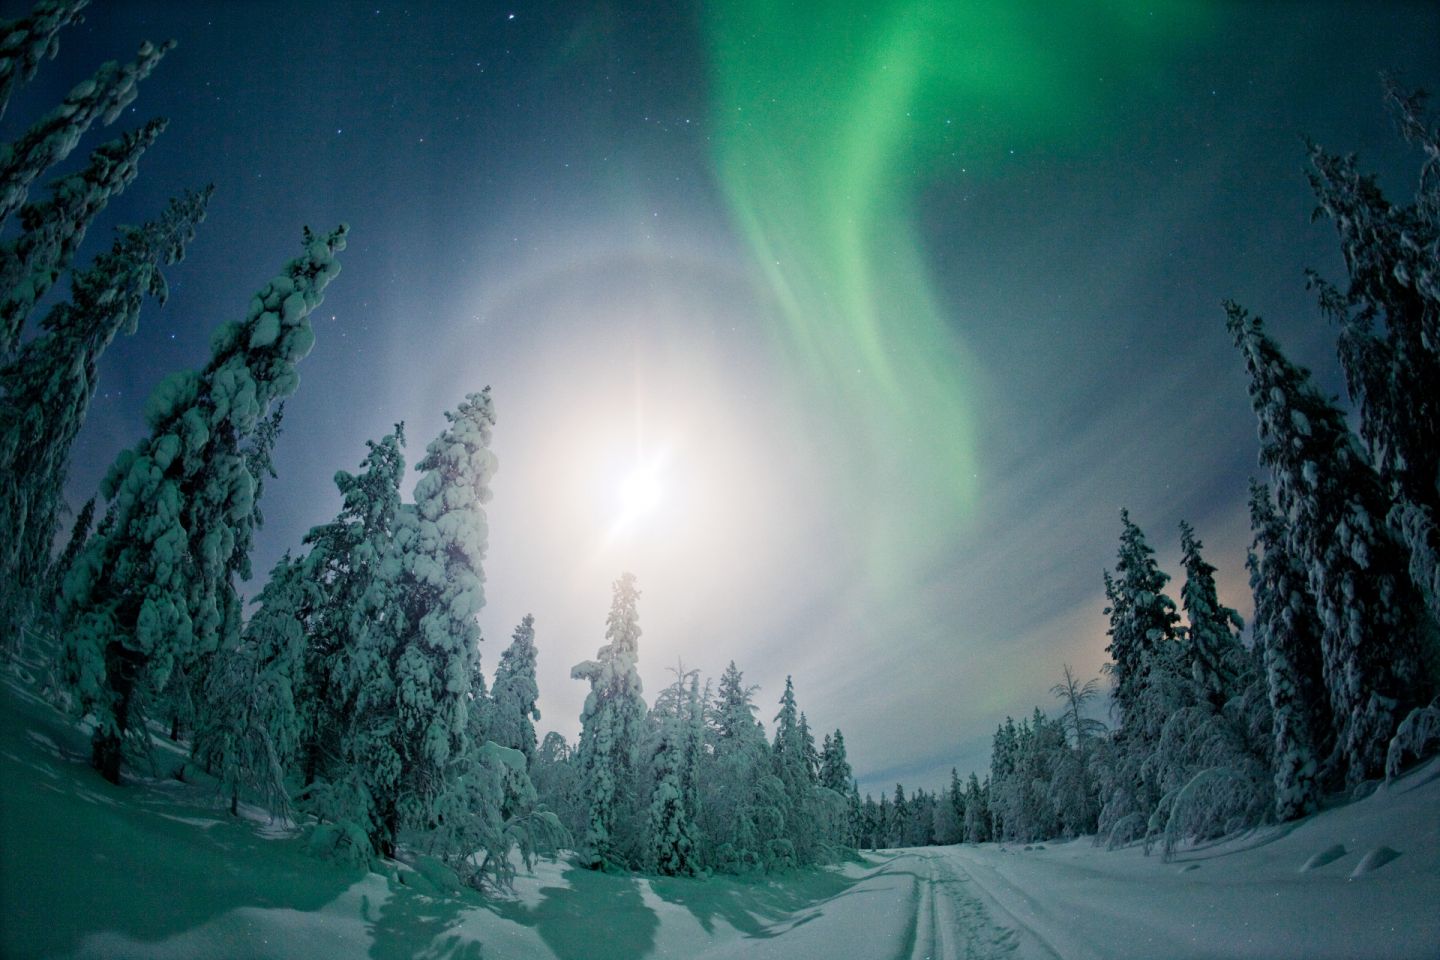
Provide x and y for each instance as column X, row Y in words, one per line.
column 639, row 493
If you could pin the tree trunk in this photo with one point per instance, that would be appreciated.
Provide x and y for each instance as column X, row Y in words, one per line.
column 106, row 748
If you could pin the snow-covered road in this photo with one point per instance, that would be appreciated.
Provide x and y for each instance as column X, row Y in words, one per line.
column 1359, row 881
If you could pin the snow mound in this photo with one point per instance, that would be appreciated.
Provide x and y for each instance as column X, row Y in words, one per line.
column 1373, row 861
column 1329, row 855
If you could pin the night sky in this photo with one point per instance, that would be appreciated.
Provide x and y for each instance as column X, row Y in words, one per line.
column 900, row 301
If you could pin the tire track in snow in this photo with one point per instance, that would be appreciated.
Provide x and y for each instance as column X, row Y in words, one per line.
column 949, row 922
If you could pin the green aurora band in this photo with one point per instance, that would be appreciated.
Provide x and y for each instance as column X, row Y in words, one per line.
column 830, row 119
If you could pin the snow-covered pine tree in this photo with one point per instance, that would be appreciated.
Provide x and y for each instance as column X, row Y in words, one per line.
column 413, row 665
column 1218, row 661
column 152, row 591
column 52, row 229
column 610, row 728
column 45, row 390
column 50, row 139
column 1287, row 636
column 343, row 562
column 25, row 41
column 1371, row 615
column 1389, row 322
column 515, row 694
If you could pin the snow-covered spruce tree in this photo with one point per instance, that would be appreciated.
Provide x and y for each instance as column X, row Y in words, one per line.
column 881, row 824
column 691, row 778
column 949, row 811
column 51, row 139
column 1024, row 799
column 79, row 533
column 1204, row 752
column 42, row 616
column 1287, row 636
column 610, row 729
column 1142, row 624
column 45, row 390
column 514, row 698
column 673, row 830
column 734, row 710
column 1150, row 684
column 836, row 776
column 185, row 696
column 1372, row 618
column 743, row 817
column 556, row 780
column 488, row 810
column 410, row 758
column 1219, row 663
column 899, row 817
column 343, row 562
column 24, row 42
column 808, row 751
column 792, row 767
column 416, row 642
column 152, row 591
column 835, row 772
column 866, row 834
column 1003, row 763
column 1389, row 321
column 977, row 813
column 248, row 735
column 53, row 229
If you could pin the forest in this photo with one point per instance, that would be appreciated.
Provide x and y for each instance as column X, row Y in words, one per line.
column 349, row 695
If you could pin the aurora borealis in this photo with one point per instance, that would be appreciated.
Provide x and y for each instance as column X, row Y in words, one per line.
column 912, row 297
column 830, row 119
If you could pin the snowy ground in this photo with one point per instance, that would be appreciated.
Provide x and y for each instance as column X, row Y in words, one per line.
column 157, row 869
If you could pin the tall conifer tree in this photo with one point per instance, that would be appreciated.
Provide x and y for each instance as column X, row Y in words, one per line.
column 610, row 727
column 1287, row 634
column 24, row 42
column 1370, row 614
column 515, row 695
column 45, row 391
column 1389, row 321
column 152, row 591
